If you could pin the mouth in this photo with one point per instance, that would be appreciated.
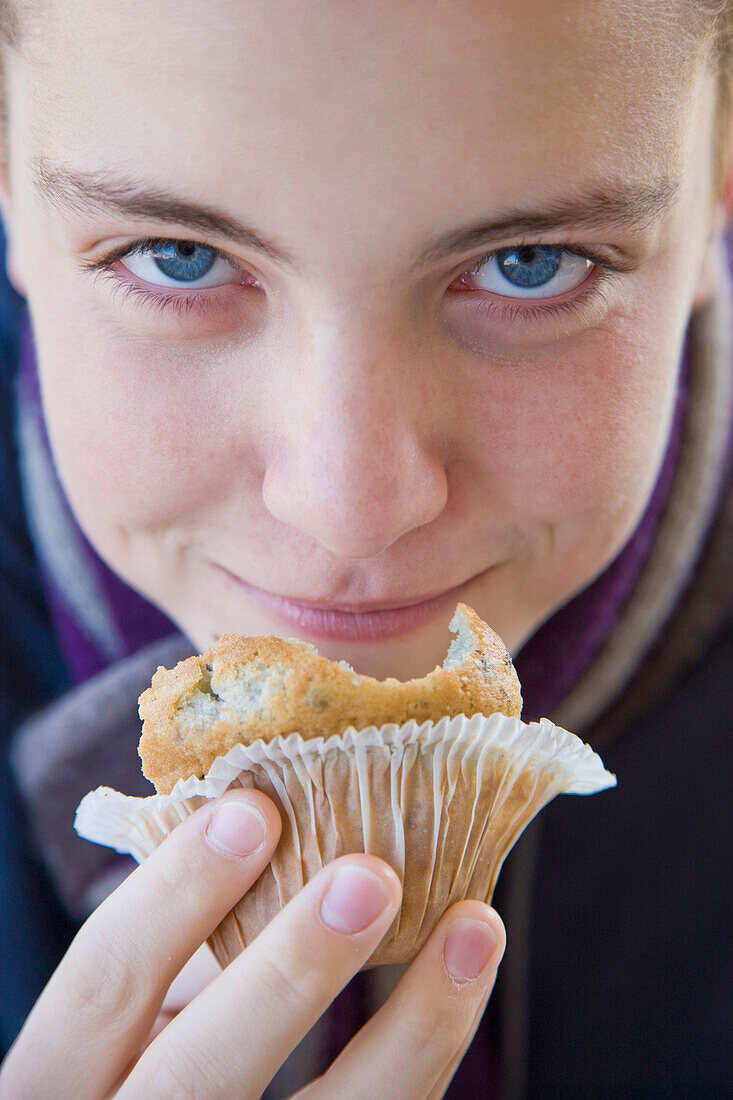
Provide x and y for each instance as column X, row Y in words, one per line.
column 354, row 622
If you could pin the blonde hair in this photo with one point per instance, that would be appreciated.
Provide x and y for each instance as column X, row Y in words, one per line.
column 720, row 32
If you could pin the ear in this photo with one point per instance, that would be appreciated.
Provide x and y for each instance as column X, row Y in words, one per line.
column 12, row 266
column 720, row 223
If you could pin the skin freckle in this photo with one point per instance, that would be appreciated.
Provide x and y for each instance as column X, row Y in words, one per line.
column 332, row 421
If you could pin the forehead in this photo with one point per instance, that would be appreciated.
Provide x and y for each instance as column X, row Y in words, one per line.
column 273, row 104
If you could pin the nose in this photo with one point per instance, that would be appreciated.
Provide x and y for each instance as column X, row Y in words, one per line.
column 355, row 460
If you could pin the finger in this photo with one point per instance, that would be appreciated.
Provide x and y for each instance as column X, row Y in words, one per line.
column 440, row 1088
column 237, row 1033
column 410, row 1045
column 444, row 1081
column 200, row 969
column 102, row 1001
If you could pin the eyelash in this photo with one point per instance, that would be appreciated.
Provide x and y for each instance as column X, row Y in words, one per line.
column 158, row 301
column 536, row 310
column 200, row 303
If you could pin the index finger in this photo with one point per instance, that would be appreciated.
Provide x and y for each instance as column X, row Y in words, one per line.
column 101, row 1002
column 232, row 1039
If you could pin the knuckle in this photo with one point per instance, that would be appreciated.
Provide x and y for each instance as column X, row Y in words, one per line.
column 179, row 1072
column 292, row 985
column 102, row 977
column 173, row 879
column 440, row 1026
column 169, row 1077
column 451, row 1038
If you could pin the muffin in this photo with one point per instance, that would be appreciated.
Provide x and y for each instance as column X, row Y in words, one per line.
column 438, row 776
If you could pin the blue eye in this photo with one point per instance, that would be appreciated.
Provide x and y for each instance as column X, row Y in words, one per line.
column 529, row 267
column 181, row 264
column 184, row 261
column 532, row 271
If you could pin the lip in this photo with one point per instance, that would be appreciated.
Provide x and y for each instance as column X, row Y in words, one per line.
column 351, row 621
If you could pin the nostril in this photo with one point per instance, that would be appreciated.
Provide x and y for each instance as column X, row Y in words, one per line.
column 355, row 504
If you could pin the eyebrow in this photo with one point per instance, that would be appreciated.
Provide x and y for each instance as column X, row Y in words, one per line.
column 77, row 191
column 618, row 205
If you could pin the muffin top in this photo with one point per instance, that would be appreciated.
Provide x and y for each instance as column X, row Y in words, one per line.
column 251, row 688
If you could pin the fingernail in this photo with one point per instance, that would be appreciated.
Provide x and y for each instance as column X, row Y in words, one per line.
column 236, row 829
column 468, row 947
column 354, row 900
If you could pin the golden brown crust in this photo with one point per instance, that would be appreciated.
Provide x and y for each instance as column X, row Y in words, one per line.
column 250, row 688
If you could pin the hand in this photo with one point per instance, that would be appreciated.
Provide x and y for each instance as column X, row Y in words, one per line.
column 86, row 1032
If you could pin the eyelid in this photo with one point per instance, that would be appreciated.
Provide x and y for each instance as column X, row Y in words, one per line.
column 609, row 259
column 608, row 264
column 148, row 244
column 541, row 310
column 183, row 302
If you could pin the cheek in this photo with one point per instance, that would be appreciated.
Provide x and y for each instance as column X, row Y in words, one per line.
column 579, row 436
column 143, row 436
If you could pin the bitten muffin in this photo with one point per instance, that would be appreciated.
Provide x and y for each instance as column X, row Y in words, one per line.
column 436, row 776
column 249, row 689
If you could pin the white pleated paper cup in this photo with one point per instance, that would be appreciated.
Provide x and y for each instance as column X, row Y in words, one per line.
column 442, row 803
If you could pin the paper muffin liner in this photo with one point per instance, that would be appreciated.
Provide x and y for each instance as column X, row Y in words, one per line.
column 442, row 803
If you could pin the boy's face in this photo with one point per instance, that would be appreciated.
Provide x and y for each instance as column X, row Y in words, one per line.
column 352, row 420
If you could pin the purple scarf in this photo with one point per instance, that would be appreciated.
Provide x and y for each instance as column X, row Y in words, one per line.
column 98, row 619
column 102, row 624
